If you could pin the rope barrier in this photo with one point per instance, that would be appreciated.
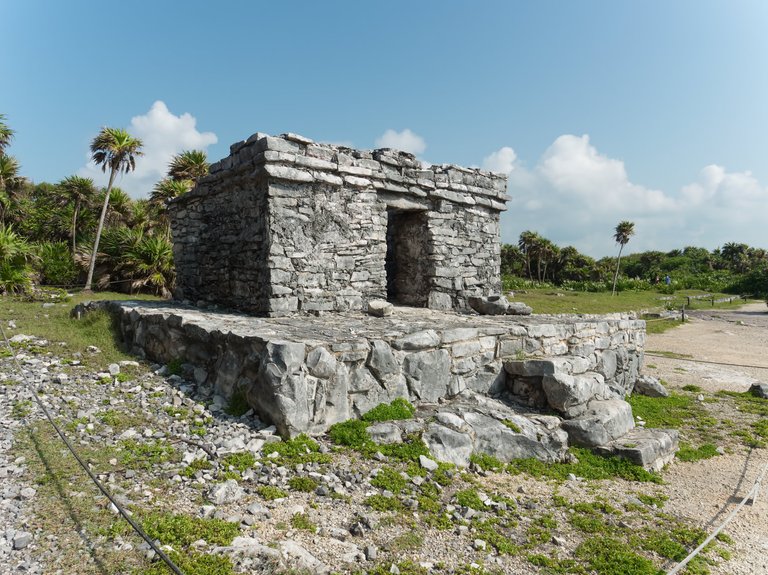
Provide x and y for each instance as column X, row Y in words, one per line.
column 706, row 361
column 137, row 528
column 751, row 495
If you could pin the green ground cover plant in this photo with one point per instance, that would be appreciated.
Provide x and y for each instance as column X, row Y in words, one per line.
column 588, row 466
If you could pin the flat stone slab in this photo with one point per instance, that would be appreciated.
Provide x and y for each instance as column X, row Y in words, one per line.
column 649, row 448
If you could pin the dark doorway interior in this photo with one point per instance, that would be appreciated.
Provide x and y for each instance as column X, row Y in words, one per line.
column 406, row 263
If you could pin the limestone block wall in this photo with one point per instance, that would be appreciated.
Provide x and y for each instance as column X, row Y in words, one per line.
column 221, row 246
column 284, row 224
column 304, row 374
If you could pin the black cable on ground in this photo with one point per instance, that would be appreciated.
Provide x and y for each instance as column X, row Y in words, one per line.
column 136, row 527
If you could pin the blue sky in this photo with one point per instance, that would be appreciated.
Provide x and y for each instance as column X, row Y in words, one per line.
column 652, row 111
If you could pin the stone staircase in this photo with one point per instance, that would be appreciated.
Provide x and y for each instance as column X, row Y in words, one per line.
column 595, row 413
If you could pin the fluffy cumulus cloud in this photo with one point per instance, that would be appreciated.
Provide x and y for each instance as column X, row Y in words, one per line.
column 405, row 141
column 163, row 135
column 575, row 195
column 501, row 161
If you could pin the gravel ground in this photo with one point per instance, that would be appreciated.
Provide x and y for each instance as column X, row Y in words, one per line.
column 708, row 490
column 349, row 535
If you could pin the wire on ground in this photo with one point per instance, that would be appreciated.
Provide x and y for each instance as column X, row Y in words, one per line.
column 136, row 527
column 751, row 495
column 705, row 361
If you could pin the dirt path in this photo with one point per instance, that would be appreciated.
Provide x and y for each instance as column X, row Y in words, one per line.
column 708, row 490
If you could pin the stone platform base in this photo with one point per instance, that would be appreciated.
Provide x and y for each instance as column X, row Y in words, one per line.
column 305, row 373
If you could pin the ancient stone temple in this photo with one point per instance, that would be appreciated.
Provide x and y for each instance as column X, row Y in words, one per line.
column 284, row 224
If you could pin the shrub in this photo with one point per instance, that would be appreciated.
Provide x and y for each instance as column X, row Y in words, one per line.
column 56, row 266
column 15, row 258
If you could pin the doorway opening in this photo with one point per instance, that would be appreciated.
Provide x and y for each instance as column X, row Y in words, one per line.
column 406, row 260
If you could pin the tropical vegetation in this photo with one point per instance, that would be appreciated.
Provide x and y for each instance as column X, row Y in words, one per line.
column 535, row 261
column 73, row 233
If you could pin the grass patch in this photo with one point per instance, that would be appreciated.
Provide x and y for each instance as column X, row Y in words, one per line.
column 196, row 465
column 688, row 453
column 139, row 455
column 303, row 484
column 407, row 541
column 559, row 300
column 487, row 462
column 240, row 461
column 746, row 402
column 653, row 325
column 512, row 425
column 384, row 503
column 399, row 409
column 674, row 411
column 55, row 325
column 589, row 466
column 668, row 354
column 352, row 433
column 301, row 449
column 192, row 563
column 270, row 492
column 389, row 479
column 182, row 530
column 469, row 498
column 692, row 388
column 301, row 521
column 609, row 556
column 657, row 500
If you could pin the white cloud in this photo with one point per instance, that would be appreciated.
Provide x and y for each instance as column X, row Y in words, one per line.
column 575, row 195
column 501, row 161
column 163, row 135
column 405, row 141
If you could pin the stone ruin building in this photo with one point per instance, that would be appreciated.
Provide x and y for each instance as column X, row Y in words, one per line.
column 284, row 224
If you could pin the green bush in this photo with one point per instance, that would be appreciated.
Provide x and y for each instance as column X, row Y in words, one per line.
column 56, row 266
column 16, row 255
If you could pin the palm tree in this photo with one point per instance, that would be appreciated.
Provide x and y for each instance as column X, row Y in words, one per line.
column 10, row 183
column 624, row 230
column 6, row 134
column 164, row 191
column 188, row 165
column 116, row 149
column 529, row 243
column 78, row 191
column 167, row 189
column 120, row 208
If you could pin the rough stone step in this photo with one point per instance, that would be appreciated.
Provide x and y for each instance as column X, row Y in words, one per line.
column 601, row 423
column 474, row 423
column 650, row 448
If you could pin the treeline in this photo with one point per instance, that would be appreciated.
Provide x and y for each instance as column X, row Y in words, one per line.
column 48, row 231
column 732, row 268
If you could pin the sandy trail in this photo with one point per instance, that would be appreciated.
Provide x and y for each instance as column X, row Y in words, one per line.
column 707, row 491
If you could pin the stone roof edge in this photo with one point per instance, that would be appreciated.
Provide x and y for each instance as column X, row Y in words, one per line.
column 292, row 157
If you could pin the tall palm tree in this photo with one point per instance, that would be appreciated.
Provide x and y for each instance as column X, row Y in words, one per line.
column 188, row 165
column 116, row 149
column 6, row 134
column 78, row 191
column 624, row 230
